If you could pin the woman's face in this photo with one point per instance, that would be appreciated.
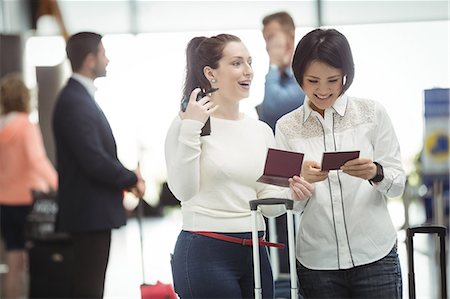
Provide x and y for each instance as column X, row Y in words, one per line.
column 322, row 84
column 234, row 74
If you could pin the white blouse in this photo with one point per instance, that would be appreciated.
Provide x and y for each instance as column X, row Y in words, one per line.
column 346, row 222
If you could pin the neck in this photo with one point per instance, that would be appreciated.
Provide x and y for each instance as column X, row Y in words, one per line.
column 85, row 73
column 230, row 111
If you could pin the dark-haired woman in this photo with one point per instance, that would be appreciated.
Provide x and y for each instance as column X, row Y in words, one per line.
column 347, row 244
column 214, row 176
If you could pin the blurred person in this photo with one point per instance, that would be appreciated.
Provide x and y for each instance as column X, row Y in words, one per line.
column 91, row 178
column 282, row 94
column 24, row 167
column 214, row 176
column 346, row 244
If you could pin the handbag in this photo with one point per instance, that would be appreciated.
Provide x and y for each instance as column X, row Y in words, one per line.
column 41, row 221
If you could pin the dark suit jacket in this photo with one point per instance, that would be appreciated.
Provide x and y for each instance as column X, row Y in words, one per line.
column 91, row 178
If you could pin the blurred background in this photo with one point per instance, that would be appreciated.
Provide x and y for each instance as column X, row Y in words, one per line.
column 401, row 54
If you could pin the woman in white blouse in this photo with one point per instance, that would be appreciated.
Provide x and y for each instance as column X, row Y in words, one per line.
column 346, row 245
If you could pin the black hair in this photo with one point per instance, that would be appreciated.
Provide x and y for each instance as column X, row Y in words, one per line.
column 80, row 45
column 328, row 46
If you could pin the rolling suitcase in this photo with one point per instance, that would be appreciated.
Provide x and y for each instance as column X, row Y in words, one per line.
column 291, row 242
column 158, row 290
column 430, row 229
column 51, row 264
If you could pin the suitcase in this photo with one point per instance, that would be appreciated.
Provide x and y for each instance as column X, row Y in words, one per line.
column 50, row 266
column 426, row 229
column 291, row 242
column 151, row 291
column 279, row 259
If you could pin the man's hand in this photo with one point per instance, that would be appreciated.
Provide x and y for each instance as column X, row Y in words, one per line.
column 139, row 189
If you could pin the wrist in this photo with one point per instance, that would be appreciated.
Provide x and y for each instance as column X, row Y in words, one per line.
column 379, row 175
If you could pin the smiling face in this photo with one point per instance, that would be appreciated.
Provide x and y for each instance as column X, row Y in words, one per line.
column 234, row 74
column 322, row 84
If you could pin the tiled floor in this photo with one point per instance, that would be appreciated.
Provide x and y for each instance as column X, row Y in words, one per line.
column 124, row 272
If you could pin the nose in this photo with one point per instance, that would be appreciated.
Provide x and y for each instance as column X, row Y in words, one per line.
column 248, row 72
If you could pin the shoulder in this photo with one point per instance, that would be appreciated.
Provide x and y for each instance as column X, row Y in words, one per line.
column 291, row 121
column 363, row 109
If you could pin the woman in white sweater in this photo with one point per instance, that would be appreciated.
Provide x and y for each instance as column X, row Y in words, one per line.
column 214, row 175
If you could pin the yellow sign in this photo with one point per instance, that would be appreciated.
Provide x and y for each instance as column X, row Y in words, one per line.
column 436, row 146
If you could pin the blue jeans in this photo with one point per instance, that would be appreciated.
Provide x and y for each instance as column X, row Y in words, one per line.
column 204, row 267
column 380, row 279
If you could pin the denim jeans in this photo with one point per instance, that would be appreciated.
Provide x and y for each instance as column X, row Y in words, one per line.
column 380, row 279
column 204, row 267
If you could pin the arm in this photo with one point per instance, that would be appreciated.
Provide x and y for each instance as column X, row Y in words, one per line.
column 37, row 157
column 386, row 153
column 182, row 151
column 80, row 129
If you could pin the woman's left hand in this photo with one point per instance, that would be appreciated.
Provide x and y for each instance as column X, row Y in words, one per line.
column 361, row 168
column 300, row 188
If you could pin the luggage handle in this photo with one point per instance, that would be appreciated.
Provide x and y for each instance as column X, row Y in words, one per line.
column 426, row 229
column 289, row 203
column 429, row 229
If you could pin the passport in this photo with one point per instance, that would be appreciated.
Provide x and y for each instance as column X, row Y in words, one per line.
column 334, row 160
column 280, row 166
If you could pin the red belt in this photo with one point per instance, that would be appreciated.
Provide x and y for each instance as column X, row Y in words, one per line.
column 243, row 242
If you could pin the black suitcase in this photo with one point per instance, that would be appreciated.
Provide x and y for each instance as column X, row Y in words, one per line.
column 430, row 229
column 50, row 265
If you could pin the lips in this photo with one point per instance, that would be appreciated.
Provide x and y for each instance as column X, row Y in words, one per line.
column 245, row 84
column 323, row 97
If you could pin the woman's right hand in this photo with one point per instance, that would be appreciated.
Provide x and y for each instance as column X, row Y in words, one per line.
column 200, row 110
column 312, row 173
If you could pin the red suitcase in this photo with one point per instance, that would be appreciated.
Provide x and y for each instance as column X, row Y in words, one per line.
column 151, row 291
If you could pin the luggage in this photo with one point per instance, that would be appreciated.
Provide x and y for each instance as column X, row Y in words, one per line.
column 50, row 266
column 291, row 242
column 430, row 229
column 151, row 291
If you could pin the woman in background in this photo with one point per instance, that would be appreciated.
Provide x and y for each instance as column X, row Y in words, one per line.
column 214, row 176
column 24, row 167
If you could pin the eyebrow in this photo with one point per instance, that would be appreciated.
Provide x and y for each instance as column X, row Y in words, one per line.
column 331, row 77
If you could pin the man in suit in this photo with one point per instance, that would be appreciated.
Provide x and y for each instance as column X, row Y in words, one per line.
column 92, row 180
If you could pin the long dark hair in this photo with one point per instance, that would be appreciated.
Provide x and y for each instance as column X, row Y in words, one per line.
column 200, row 52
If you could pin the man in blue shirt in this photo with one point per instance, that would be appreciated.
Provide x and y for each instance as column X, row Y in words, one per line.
column 282, row 94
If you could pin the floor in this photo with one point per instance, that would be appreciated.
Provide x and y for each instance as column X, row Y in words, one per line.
column 124, row 273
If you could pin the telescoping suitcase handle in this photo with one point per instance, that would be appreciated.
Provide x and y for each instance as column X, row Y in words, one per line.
column 290, row 227
column 426, row 229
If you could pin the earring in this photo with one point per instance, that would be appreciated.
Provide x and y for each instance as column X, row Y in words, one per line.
column 213, row 80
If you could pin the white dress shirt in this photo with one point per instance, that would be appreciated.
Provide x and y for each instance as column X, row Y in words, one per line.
column 346, row 222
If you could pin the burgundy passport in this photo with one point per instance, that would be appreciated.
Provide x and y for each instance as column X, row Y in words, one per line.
column 334, row 160
column 280, row 166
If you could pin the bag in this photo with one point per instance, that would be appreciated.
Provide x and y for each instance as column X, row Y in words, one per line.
column 157, row 291
column 151, row 291
column 41, row 221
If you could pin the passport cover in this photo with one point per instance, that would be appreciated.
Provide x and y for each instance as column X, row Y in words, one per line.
column 334, row 160
column 280, row 166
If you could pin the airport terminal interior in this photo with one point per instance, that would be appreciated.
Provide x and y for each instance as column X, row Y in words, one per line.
column 401, row 53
